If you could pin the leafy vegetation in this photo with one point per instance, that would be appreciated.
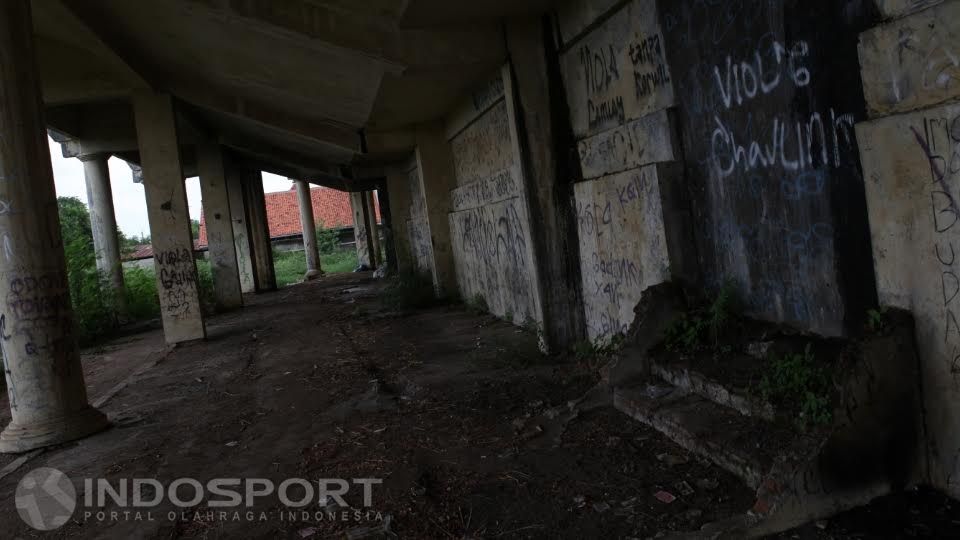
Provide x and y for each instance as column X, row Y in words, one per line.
column 594, row 355
column 290, row 266
column 798, row 384
column 141, row 290
column 877, row 320
column 93, row 306
column 703, row 328
column 328, row 240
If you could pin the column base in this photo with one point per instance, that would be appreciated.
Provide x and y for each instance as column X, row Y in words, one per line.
column 17, row 439
column 312, row 274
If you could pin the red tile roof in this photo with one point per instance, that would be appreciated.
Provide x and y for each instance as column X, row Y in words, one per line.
column 331, row 209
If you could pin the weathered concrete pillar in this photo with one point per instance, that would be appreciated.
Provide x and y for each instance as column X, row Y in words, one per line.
column 370, row 210
column 437, row 178
column 310, row 250
column 398, row 197
column 537, row 101
column 103, row 224
column 262, row 250
column 386, row 218
column 48, row 399
column 216, row 211
column 169, row 218
column 361, row 230
column 241, row 229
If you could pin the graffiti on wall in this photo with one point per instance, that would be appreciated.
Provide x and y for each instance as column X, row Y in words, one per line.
column 770, row 152
column 623, row 248
column 912, row 165
column 490, row 225
column 618, row 72
column 491, row 248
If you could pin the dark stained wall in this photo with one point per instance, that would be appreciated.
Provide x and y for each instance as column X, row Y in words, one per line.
column 768, row 93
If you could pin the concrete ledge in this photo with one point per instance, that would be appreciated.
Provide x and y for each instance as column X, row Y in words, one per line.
column 700, row 426
column 714, row 391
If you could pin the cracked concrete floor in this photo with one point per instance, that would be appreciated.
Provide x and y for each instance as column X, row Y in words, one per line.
column 471, row 429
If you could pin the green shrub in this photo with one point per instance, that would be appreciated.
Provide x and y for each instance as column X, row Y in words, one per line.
column 797, row 383
column 141, row 290
column 205, row 286
column 328, row 241
column 339, row 262
column 93, row 307
column 689, row 333
column 289, row 267
column 877, row 320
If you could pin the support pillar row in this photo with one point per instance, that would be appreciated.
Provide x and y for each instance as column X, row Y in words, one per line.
column 41, row 362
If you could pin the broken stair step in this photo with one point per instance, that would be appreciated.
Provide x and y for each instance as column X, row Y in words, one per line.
column 691, row 380
column 732, row 441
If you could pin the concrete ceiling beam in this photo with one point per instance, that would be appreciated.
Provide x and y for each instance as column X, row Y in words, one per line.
column 371, row 28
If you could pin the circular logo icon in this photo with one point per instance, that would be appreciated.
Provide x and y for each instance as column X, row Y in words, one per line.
column 45, row 498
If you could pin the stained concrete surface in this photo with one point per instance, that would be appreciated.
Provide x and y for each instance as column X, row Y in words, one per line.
column 451, row 408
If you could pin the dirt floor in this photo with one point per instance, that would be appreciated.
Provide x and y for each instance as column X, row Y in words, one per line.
column 473, row 432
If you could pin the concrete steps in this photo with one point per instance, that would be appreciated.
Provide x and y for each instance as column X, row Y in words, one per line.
column 707, row 429
column 713, row 390
column 798, row 475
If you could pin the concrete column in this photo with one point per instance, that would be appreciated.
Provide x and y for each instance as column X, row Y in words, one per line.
column 399, row 203
column 361, row 231
column 262, row 250
column 169, row 218
column 545, row 137
column 437, row 178
column 103, row 223
column 216, row 213
column 309, row 231
column 386, row 217
column 370, row 209
column 41, row 362
column 241, row 229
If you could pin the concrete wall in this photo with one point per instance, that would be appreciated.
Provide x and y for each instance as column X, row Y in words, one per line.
column 767, row 99
column 489, row 222
column 618, row 88
column 418, row 229
column 911, row 159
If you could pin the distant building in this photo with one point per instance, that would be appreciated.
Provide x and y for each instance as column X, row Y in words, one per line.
column 331, row 210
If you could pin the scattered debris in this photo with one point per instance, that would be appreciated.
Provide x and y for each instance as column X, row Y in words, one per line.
column 601, row 507
column 664, row 496
column 708, row 484
column 672, row 460
column 683, row 488
column 759, row 349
